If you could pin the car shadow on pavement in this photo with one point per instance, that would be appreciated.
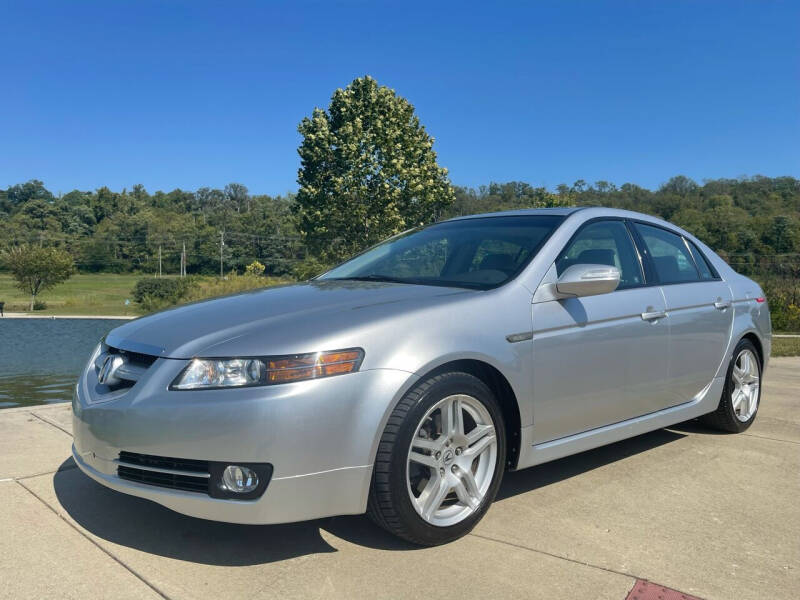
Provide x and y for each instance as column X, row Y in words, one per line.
column 527, row 480
column 696, row 427
column 149, row 527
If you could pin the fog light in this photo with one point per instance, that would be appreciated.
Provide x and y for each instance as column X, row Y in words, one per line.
column 239, row 479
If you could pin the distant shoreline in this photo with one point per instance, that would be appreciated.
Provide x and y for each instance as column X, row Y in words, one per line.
column 18, row 315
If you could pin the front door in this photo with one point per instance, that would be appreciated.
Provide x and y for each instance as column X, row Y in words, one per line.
column 601, row 359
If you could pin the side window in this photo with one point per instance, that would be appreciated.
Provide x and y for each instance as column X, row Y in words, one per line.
column 706, row 272
column 671, row 257
column 604, row 243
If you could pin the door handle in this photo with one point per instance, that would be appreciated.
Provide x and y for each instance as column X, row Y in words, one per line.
column 654, row 316
column 720, row 305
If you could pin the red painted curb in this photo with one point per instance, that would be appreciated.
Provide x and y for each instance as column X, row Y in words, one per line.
column 647, row 590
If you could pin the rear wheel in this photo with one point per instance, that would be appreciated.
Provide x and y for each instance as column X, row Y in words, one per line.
column 440, row 460
column 739, row 403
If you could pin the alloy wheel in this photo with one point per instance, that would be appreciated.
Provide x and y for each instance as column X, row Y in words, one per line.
column 451, row 460
column 746, row 383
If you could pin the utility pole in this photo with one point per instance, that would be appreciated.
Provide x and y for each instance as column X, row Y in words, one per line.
column 221, row 244
column 159, row 260
column 183, row 261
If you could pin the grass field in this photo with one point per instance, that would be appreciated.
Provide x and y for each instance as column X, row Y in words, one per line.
column 104, row 294
column 785, row 346
column 90, row 294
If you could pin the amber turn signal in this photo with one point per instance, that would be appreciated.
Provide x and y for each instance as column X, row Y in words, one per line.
column 313, row 366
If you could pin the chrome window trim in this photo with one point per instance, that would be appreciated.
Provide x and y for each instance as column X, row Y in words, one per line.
column 685, row 239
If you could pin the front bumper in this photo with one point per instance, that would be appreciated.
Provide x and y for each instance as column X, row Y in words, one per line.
column 320, row 436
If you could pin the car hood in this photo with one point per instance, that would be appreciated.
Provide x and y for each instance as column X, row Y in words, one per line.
column 279, row 320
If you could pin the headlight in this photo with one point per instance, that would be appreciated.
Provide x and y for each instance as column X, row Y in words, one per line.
column 211, row 373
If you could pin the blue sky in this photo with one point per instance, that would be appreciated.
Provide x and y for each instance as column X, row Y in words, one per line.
column 190, row 94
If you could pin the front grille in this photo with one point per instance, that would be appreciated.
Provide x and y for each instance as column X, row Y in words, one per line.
column 133, row 367
column 166, row 480
column 181, row 478
column 135, row 358
column 163, row 462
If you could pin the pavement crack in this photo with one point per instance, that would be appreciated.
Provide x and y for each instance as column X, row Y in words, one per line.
column 111, row 555
column 49, row 422
column 58, row 470
column 772, row 439
column 552, row 555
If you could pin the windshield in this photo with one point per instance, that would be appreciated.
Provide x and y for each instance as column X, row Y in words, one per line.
column 479, row 253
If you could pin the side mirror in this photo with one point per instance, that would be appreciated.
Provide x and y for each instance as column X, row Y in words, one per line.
column 588, row 280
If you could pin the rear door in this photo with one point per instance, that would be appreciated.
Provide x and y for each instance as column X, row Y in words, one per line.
column 602, row 359
column 700, row 314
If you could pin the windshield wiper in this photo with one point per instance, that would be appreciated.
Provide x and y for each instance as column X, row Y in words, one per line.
column 372, row 277
column 467, row 285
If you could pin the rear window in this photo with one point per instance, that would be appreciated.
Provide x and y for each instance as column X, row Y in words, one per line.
column 707, row 272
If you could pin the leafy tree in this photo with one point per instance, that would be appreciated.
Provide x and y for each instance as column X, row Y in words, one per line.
column 781, row 235
column 368, row 170
column 237, row 196
column 31, row 190
column 680, row 185
column 255, row 269
column 505, row 196
column 37, row 269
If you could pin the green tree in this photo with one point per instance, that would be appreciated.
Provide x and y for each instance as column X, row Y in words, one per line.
column 368, row 170
column 781, row 235
column 32, row 190
column 680, row 185
column 254, row 269
column 37, row 269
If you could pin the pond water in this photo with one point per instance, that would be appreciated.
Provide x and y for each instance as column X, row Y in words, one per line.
column 40, row 359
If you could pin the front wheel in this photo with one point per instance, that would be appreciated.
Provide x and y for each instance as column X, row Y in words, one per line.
column 440, row 460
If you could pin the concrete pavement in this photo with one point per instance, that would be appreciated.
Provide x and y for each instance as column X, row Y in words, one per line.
column 712, row 515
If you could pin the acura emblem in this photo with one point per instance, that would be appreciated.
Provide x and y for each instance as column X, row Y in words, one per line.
column 109, row 368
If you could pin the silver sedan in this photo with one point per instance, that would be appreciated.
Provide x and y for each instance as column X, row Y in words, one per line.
column 404, row 382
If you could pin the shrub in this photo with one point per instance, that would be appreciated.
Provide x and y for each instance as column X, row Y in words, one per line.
column 308, row 268
column 154, row 293
column 211, row 287
column 783, row 295
column 39, row 305
column 255, row 268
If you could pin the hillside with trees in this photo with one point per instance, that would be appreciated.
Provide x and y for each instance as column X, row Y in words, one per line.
column 752, row 222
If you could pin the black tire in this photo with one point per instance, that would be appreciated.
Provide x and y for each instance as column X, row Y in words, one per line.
column 389, row 503
column 724, row 418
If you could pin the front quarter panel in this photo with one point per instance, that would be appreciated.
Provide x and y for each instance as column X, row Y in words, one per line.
column 473, row 328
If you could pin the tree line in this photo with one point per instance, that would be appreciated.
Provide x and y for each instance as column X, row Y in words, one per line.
column 754, row 223
column 124, row 231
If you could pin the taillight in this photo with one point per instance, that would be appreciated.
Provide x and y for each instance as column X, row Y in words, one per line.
column 761, row 299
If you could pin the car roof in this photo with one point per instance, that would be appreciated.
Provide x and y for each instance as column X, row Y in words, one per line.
column 589, row 212
column 560, row 212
